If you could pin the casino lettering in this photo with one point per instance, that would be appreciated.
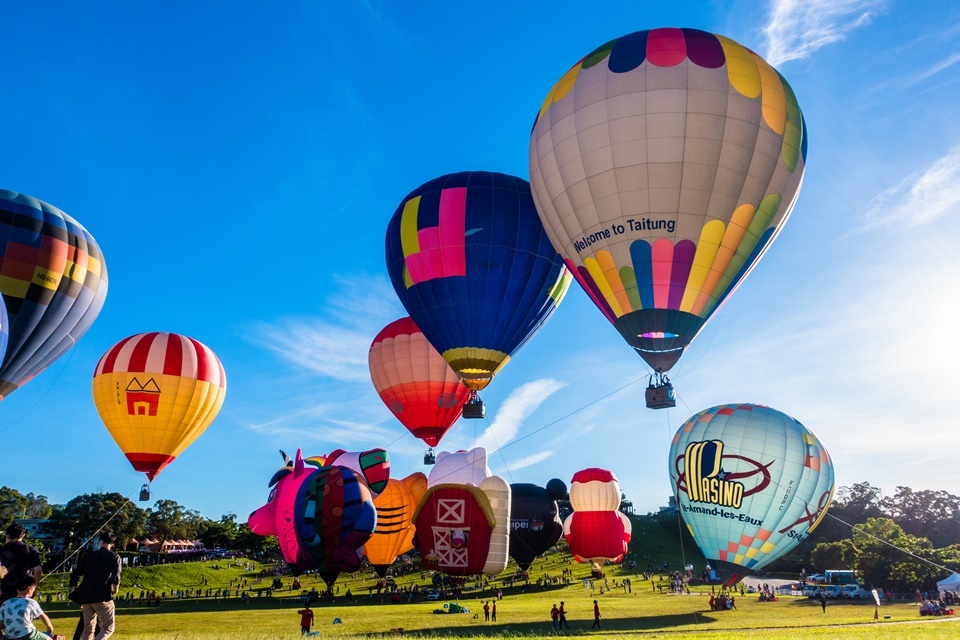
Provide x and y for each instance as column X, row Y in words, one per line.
column 704, row 477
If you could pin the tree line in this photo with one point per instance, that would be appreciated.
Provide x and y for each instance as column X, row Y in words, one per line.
column 79, row 520
column 902, row 542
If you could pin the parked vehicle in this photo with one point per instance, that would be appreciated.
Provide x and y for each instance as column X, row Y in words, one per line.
column 811, row 590
column 832, row 590
column 855, row 592
column 433, row 594
column 840, row 576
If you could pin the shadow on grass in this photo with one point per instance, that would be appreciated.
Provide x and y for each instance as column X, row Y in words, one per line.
column 614, row 626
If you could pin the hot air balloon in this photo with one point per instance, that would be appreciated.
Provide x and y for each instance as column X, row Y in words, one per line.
column 395, row 528
column 534, row 521
column 463, row 520
column 335, row 516
column 751, row 483
column 4, row 328
column 156, row 393
column 415, row 382
column 663, row 165
column 596, row 530
column 470, row 261
column 53, row 280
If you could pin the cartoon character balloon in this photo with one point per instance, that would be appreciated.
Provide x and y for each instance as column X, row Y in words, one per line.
column 156, row 393
column 663, row 164
column 322, row 512
column 751, row 482
column 596, row 530
column 415, row 382
column 53, row 280
column 472, row 265
column 534, row 521
column 395, row 528
column 463, row 520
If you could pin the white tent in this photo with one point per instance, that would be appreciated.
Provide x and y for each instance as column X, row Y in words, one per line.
column 950, row 584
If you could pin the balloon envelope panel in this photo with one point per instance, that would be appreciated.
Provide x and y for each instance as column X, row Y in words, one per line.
column 751, row 482
column 472, row 265
column 53, row 280
column 663, row 164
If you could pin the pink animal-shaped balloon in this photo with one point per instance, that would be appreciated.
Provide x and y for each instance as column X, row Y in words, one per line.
column 276, row 518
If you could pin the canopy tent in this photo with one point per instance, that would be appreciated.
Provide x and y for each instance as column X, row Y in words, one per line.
column 950, row 584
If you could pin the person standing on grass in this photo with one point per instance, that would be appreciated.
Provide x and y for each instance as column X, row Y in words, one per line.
column 493, row 612
column 306, row 619
column 486, row 612
column 823, row 602
column 596, row 615
column 100, row 573
column 555, row 616
column 563, row 616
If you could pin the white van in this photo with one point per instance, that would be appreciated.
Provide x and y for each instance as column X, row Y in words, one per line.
column 855, row 592
column 832, row 590
column 811, row 590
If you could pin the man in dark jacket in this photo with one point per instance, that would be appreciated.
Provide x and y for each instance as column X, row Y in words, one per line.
column 101, row 580
column 19, row 559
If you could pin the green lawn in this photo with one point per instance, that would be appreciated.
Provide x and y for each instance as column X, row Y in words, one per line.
column 524, row 610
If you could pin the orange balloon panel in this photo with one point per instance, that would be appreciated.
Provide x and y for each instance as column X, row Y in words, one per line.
column 395, row 529
column 415, row 382
column 156, row 393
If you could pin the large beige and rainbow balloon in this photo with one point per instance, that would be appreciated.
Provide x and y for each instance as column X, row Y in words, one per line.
column 663, row 164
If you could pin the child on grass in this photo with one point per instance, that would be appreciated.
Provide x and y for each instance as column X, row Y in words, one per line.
column 17, row 614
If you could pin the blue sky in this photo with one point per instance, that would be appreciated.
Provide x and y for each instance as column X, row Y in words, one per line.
column 238, row 167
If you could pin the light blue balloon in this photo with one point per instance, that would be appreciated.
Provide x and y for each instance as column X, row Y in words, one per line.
column 751, row 482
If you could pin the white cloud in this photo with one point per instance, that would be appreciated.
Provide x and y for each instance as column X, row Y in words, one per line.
column 521, row 402
column 797, row 28
column 336, row 345
column 529, row 461
column 919, row 199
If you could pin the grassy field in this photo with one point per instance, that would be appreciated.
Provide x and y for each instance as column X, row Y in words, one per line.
column 643, row 611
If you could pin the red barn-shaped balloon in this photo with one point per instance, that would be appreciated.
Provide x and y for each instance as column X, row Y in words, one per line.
column 596, row 530
column 454, row 525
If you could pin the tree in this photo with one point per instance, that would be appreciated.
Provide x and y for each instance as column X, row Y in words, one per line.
column 934, row 515
column 248, row 541
column 168, row 520
column 38, row 507
column 884, row 555
column 85, row 515
column 833, row 555
column 13, row 505
column 221, row 533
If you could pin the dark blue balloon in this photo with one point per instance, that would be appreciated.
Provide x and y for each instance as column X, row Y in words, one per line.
column 469, row 258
